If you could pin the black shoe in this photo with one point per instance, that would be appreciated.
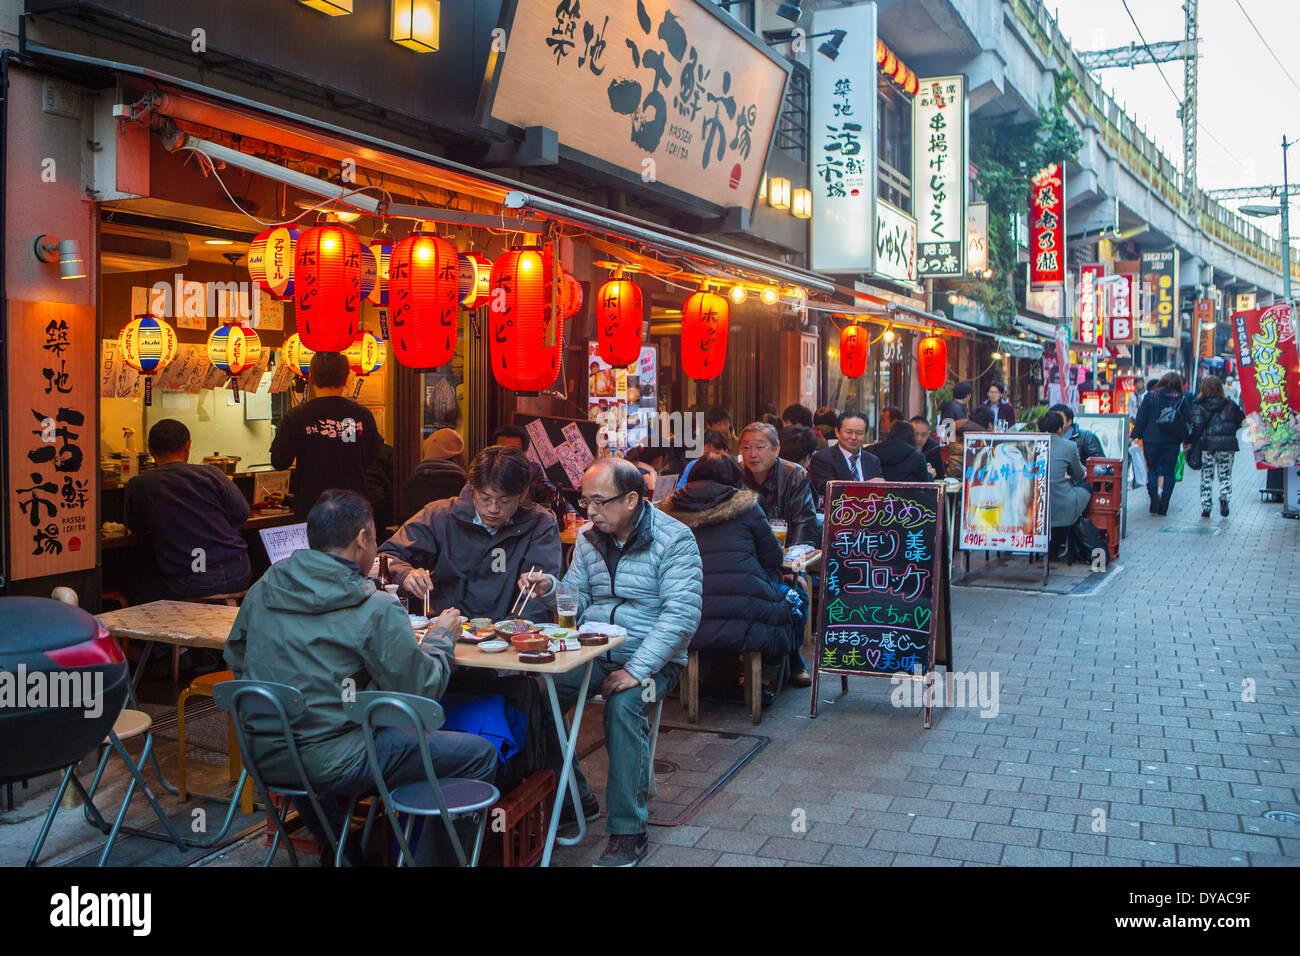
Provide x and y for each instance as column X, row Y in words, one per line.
column 1155, row 506
column 1223, row 507
column 624, row 849
column 1205, row 512
column 590, row 812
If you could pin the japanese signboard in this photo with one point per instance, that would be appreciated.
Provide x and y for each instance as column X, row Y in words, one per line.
column 1096, row 401
column 895, row 243
column 623, row 401
column 977, row 237
column 1120, row 328
column 1159, row 322
column 939, row 174
column 1270, row 383
column 1047, row 228
column 843, row 142
column 1245, row 302
column 1086, row 308
column 668, row 92
column 53, row 438
column 1005, row 496
column 1204, row 314
column 884, row 587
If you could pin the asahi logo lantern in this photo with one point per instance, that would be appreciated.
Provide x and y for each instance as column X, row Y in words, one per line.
column 270, row 261
column 147, row 344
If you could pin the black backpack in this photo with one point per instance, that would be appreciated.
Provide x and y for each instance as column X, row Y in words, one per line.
column 1085, row 539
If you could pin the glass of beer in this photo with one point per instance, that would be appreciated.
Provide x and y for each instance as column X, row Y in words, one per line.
column 779, row 529
column 566, row 605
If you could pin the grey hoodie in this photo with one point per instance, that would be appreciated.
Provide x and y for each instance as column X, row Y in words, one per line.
column 313, row 622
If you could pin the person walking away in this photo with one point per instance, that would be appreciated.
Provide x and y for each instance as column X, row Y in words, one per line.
column 1004, row 415
column 1215, row 420
column 332, row 440
column 639, row 569
column 440, row 473
column 1163, row 424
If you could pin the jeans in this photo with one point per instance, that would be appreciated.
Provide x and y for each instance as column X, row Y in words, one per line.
column 223, row 578
column 453, row 754
column 627, row 740
column 1162, row 459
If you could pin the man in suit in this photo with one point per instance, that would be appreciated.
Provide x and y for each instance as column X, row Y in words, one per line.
column 845, row 461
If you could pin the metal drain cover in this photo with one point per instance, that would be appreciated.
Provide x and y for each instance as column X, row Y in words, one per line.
column 1192, row 529
column 1283, row 816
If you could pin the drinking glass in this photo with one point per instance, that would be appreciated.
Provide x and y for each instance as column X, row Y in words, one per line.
column 779, row 529
column 566, row 604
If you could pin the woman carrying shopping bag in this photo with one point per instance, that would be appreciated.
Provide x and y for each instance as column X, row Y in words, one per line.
column 1163, row 424
column 1215, row 420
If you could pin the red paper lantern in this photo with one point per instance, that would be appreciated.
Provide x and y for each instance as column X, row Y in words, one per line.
column 853, row 350
column 705, row 318
column 327, row 287
column 570, row 296
column 932, row 362
column 620, row 316
column 525, row 341
column 424, row 301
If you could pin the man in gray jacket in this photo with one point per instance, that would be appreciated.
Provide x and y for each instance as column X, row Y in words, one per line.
column 640, row 569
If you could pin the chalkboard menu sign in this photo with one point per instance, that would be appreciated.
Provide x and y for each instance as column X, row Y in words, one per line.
column 884, row 583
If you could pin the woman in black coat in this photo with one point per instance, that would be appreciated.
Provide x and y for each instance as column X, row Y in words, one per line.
column 1160, row 440
column 744, row 606
column 1215, row 420
column 899, row 458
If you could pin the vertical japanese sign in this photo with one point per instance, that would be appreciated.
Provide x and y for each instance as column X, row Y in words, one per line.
column 1270, row 383
column 671, row 92
column 1047, row 228
column 895, row 243
column 1005, row 493
column 1159, row 323
column 977, row 237
column 843, row 143
column 1086, row 307
column 1204, row 313
column 939, row 174
column 53, row 438
column 1120, row 329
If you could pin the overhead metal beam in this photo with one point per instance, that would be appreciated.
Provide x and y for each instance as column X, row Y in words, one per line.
column 1136, row 54
column 1253, row 192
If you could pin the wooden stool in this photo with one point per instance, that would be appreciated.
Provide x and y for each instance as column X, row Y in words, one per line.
column 202, row 687
column 753, row 677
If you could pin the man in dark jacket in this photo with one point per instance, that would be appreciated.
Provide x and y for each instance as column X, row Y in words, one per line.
column 332, row 439
column 437, row 476
column 1089, row 444
column 957, row 407
column 930, row 449
column 468, row 552
column 899, row 459
column 315, row 622
column 782, row 486
column 845, row 460
column 190, row 512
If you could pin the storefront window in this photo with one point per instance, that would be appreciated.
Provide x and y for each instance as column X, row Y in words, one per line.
column 445, row 391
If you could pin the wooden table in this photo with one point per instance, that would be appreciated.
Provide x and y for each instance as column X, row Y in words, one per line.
column 468, row 655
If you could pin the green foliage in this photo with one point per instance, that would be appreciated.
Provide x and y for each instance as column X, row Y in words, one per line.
column 1031, row 415
column 1008, row 154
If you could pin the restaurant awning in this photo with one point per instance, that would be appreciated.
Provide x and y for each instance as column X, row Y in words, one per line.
column 1019, row 348
column 1038, row 327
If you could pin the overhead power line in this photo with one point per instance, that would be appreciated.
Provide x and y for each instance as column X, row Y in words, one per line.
column 1266, row 46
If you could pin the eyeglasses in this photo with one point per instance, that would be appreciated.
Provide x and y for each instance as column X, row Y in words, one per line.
column 489, row 501
column 586, row 504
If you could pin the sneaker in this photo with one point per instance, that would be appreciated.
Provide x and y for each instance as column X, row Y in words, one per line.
column 590, row 812
column 624, row 849
column 1223, row 507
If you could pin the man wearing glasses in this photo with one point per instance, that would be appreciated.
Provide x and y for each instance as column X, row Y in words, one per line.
column 782, row 486
column 467, row 552
column 638, row 568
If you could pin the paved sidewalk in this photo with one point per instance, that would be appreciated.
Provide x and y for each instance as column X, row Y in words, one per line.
column 1123, row 709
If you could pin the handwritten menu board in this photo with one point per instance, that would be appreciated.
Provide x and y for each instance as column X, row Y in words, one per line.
column 563, row 447
column 884, row 581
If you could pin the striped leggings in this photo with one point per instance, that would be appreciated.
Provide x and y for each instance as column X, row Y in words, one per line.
column 1212, row 463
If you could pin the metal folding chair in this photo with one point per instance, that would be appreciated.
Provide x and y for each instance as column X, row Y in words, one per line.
column 454, row 797
column 281, row 705
column 129, row 723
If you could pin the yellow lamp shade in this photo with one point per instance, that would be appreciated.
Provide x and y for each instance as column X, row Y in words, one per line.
column 415, row 25
column 335, row 8
column 801, row 205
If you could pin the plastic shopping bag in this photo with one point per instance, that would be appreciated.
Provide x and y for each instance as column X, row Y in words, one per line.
column 1178, row 469
column 1138, row 464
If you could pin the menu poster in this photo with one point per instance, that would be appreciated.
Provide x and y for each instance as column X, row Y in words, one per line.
column 53, row 439
column 569, row 462
column 1005, row 499
column 537, row 439
column 884, row 584
column 282, row 380
column 581, row 453
column 1265, row 340
column 107, row 360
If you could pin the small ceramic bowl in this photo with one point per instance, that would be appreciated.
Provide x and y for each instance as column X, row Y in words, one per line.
column 480, row 623
column 513, row 626
column 418, row 621
column 530, row 643
column 493, row 647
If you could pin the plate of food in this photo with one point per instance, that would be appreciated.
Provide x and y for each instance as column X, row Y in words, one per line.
column 554, row 631
column 493, row 647
column 418, row 621
column 512, row 626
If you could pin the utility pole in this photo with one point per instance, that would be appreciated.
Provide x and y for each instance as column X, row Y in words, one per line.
column 1286, row 232
column 1189, row 108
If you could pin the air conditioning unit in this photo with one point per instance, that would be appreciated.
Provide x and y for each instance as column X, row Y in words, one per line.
column 137, row 249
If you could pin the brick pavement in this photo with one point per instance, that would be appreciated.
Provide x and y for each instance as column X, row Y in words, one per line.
column 1124, row 706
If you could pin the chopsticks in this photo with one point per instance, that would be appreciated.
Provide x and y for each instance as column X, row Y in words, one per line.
column 521, row 601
